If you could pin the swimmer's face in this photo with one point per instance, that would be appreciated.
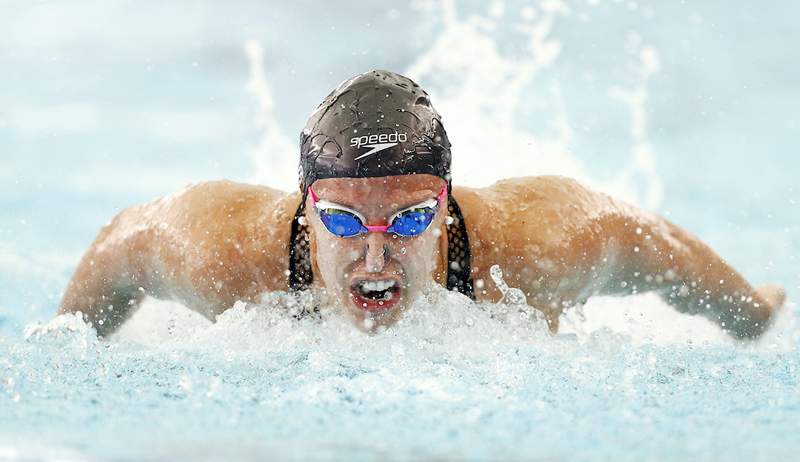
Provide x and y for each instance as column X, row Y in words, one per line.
column 377, row 275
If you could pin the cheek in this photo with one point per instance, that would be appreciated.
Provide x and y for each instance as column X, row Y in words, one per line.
column 334, row 254
column 337, row 250
column 418, row 255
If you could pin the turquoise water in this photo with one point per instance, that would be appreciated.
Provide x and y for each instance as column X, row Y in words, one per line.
column 685, row 109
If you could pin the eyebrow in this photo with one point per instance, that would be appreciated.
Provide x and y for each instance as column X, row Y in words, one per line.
column 417, row 197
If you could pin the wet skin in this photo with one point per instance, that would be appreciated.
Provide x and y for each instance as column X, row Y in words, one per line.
column 218, row 242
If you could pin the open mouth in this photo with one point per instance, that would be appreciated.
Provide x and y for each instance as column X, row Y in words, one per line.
column 375, row 295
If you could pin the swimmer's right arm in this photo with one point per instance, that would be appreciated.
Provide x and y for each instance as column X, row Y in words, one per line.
column 207, row 247
column 109, row 280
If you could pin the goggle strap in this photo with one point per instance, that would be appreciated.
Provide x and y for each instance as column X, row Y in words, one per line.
column 442, row 195
column 313, row 195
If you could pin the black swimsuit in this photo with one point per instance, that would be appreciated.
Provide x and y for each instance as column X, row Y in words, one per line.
column 458, row 256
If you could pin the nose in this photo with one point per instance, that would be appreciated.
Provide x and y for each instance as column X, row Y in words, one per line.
column 377, row 252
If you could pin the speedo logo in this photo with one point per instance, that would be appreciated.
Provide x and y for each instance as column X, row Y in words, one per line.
column 377, row 143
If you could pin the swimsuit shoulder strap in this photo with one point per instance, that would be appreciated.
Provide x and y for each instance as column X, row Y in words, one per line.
column 300, row 274
column 459, row 276
column 459, row 269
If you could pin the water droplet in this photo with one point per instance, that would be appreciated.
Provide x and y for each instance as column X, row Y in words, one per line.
column 369, row 323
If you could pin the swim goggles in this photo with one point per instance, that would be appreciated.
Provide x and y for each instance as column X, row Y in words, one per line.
column 344, row 222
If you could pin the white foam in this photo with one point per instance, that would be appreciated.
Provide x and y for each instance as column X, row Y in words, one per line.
column 442, row 317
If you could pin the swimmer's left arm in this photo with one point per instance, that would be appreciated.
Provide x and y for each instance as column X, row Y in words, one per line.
column 561, row 243
column 654, row 254
column 628, row 251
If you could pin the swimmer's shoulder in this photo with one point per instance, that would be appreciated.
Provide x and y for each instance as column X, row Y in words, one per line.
column 233, row 235
column 230, row 213
column 529, row 225
column 224, row 193
column 545, row 187
column 538, row 194
column 226, row 201
column 538, row 209
column 214, row 207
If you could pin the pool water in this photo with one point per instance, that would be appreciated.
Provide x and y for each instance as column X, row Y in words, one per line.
column 452, row 381
column 685, row 109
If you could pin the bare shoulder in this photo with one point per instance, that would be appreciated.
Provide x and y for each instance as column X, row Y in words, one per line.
column 219, row 240
column 202, row 209
column 542, row 208
column 537, row 229
column 539, row 189
column 208, row 245
column 212, row 197
column 550, row 192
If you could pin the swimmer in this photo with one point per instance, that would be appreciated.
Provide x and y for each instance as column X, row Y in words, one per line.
column 377, row 219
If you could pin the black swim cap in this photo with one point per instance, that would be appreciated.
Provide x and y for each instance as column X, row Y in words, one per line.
column 375, row 124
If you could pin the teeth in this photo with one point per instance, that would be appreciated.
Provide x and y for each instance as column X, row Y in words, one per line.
column 376, row 286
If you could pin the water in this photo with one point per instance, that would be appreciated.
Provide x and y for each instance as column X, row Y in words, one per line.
column 451, row 381
column 685, row 109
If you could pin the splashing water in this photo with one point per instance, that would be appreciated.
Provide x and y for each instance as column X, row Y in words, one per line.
column 453, row 380
column 482, row 104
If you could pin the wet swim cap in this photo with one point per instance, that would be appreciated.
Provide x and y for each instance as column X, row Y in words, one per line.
column 375, row 124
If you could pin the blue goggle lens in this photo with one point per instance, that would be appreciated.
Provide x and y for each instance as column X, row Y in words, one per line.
column 341, row 223
column 413, row 222
column 409, row 223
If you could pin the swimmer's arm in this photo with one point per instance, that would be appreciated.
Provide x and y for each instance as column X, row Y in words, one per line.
column 108, row 282
column 206, row 247
column 562, row 243
column 643, row 252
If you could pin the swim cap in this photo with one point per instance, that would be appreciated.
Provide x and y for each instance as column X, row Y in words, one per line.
column 375, row 124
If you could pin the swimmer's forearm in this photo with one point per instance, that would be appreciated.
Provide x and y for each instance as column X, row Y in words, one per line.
column 104, row 307
column 691, row 277
column 107, row 284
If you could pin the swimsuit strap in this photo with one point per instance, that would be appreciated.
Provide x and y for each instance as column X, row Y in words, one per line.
column 459, row 269
column 459, row 276
column 300, row 274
